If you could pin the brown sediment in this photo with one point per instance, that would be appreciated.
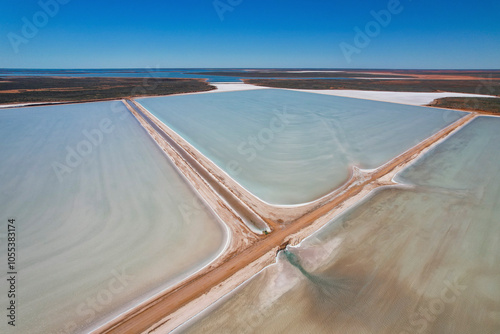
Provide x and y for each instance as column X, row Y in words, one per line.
column 247, row 252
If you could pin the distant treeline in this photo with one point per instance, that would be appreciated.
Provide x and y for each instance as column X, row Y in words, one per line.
column 57, row 89
column 488, row 104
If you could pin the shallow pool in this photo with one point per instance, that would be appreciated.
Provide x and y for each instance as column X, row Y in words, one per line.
column 290, row 147
column 103, row 219
column 424, row 259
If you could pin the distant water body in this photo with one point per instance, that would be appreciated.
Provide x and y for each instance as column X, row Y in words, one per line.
column 133, row 73
column 120, row 73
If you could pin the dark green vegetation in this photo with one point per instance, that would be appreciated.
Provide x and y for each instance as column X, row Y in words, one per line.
column 488, row 104
column 57, row 89
column 480, row 86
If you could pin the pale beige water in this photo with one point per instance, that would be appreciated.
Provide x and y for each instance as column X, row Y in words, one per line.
column 123, row 208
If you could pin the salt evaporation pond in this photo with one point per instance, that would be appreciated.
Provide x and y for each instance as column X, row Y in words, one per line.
column 424, row 259
column 117, row 227
column 290, row 147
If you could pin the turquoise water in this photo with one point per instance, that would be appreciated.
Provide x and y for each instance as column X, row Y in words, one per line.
column 418, row 260
column 291, row 147
column 466, row 162
column 116, row 224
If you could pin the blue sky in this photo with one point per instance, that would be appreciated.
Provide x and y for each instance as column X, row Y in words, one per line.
column 249, row 33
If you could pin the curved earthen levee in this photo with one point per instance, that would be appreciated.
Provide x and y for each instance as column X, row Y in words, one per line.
column 241, row 209
column 273, row 215
column 247, row 252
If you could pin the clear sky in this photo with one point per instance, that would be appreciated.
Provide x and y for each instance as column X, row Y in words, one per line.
column 249, row 33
